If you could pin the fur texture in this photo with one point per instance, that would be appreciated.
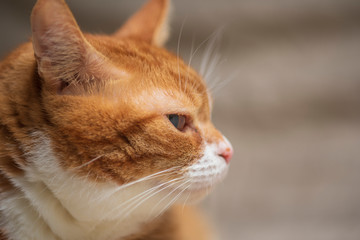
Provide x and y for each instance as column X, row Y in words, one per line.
column 86, row 147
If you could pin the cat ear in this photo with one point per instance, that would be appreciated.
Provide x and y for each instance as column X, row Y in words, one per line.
column 149, row 24
column 64, row 56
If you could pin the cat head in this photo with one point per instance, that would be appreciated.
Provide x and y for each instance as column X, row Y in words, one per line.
column 120, row 108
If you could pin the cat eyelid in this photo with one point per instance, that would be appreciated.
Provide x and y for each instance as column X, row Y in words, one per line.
column 185, row 114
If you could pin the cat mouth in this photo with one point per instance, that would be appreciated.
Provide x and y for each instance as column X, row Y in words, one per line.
column 194, row 184
column 204, row 180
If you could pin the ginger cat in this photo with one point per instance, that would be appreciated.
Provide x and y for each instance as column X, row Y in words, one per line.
column 104, row 137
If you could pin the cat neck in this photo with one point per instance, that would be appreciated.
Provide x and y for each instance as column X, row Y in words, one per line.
column 32, row 226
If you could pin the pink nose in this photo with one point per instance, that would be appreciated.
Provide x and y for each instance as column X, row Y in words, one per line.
column 225, row 150
column 227, row 154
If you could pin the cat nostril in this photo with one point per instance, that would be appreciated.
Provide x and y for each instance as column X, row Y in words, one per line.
column 227, row 154
column 226, row 150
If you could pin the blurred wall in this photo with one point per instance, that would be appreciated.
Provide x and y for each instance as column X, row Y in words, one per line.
column 291, row 109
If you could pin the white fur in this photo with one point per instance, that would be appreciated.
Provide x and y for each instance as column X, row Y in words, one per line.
column 52, row 203
column 208, row 170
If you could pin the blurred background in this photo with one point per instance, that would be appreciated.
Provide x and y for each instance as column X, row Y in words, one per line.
column 291, row 109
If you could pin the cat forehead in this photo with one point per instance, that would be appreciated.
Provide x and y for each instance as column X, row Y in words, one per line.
column 155, row 78
column 165, row 102
column 137, row 56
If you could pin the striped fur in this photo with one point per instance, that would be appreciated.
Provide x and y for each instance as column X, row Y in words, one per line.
column 86, row 149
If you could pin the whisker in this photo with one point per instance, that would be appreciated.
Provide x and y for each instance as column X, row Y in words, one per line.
column 151, row 195
column 200, row 45
column 189, row 63
column 136, row 199
column 219, row 85
column 148, row 191
column 187, row 198
column 157, row 174
column 210, row 48
column 87, row 163
column 168, row 195
column 129, row 200
column 213, row 63
column 174, row 199
column 163, row 173
column 178, row 50
column 213, row 81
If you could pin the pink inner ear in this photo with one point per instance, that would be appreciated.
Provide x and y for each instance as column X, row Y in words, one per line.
column 58, row 43
column 65, row 59
column 148, row 24
column 52, row 23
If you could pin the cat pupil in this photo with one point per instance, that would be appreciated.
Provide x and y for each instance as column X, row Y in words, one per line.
column 177, row 120
column 174, row 119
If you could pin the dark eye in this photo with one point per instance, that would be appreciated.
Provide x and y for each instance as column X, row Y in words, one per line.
column 177, row 120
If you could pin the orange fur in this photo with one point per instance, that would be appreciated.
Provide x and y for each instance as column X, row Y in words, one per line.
column 104, row 97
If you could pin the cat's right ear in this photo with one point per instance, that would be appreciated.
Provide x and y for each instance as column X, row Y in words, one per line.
column 149, row 24
column 63, row 55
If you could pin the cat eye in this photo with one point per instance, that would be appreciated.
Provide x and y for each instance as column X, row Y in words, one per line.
column 178, row 121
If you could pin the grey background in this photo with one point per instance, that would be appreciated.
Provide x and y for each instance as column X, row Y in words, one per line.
column 292, row 110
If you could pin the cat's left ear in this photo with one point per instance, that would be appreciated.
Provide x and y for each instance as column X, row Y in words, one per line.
column 149, row 24
column 66, row 61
